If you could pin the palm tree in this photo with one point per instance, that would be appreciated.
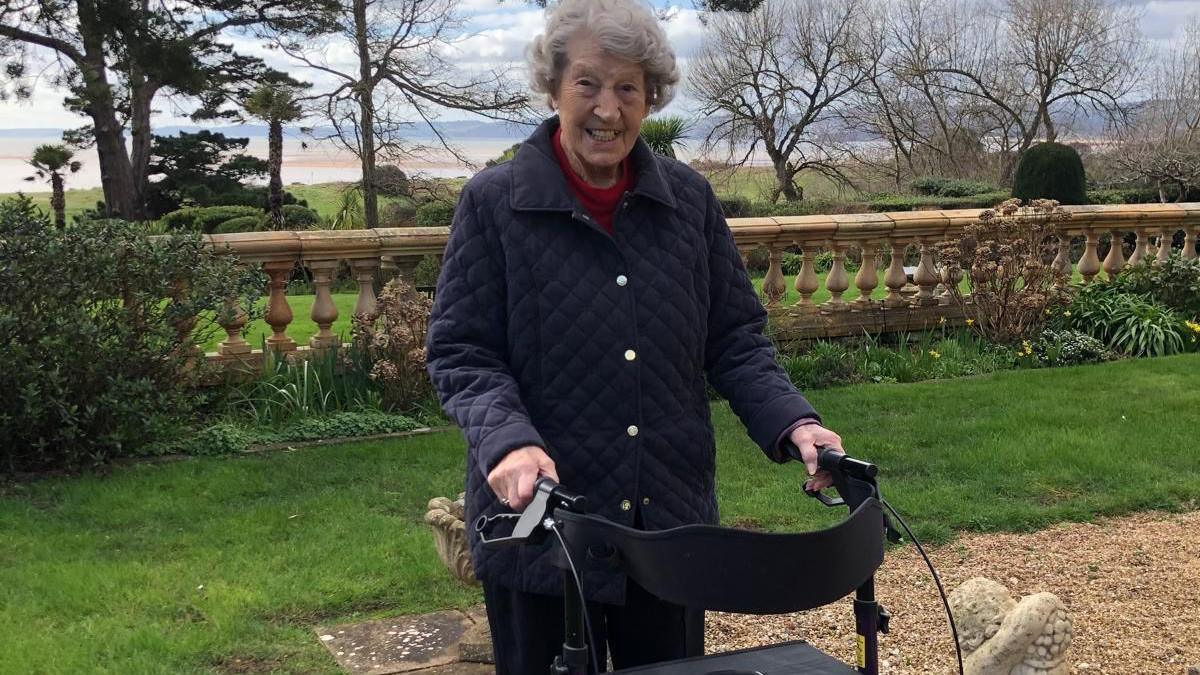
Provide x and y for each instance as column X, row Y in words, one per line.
column 275, row 105
column 49, row 162
column 664, row 134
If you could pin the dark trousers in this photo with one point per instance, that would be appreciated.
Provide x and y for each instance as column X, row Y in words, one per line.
column 527, row 630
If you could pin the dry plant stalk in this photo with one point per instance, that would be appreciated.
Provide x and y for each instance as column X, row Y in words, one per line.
column 1008, row 258
column 393, row 339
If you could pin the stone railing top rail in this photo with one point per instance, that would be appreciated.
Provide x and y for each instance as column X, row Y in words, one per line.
column 749, row 232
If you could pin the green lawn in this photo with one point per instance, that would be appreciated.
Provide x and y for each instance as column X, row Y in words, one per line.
column 185, row 566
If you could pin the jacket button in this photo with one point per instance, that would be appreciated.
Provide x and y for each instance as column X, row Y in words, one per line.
column 626, row 505
column 630, row 355
column 622, row 280
column 632, row 430
column 646, row 501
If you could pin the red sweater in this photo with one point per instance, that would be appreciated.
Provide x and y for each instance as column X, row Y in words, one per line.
column 601, row 203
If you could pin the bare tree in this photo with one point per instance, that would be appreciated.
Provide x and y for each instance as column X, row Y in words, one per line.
column 1039, row 62
column 929, row 129
column 402, row 73
column 1162, row 146
column 776, row 77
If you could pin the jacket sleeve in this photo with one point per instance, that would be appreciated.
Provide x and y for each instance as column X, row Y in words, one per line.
column 467, row 340
column 739, row 359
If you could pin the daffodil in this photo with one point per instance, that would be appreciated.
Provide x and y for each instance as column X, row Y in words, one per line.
column 1067, row 313
column 942, row 321
column 970, row 322
column 935, row 354
column 1193, row 326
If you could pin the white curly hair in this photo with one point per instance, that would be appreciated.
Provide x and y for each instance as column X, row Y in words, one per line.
column 625, row 28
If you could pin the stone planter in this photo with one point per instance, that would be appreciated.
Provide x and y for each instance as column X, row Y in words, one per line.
column 450, row 537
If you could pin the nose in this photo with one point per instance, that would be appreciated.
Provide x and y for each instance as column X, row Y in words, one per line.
column 608, row 106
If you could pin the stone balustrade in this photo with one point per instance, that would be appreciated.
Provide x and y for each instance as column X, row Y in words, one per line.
column 914, row 298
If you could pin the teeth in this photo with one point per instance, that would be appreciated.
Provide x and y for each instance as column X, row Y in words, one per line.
column 602, row 135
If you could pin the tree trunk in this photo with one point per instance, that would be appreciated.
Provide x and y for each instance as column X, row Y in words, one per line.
column 116, row 172
column 141, row 97
column 58, row 201
column 274, row 168
column 366, row 87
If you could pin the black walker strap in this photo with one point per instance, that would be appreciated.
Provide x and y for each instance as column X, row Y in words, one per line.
column 728, row 570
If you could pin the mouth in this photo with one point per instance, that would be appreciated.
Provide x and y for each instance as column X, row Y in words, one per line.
column 602, row 135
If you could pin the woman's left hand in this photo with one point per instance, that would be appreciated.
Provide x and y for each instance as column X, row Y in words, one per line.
column 808, row 438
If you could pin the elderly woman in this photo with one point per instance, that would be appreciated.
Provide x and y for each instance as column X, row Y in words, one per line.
column 588, row 289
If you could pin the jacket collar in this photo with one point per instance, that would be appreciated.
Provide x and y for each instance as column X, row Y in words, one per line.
column 538, row 183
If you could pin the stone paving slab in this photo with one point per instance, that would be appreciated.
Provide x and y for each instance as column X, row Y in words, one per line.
column 451, row 642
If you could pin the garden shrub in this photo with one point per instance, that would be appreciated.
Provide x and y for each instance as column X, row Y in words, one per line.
column 950, row 187
column 392, row 342
column 736, row 206
column 296, row 217
column 400, row 214
column 1127, row 322
column 1051, row 171
column 391, row 181
column 227, row 437
column 426, row 272
column 1173, row 283
column 241, row 224
column 435, row 214
column 1069, row 348
column 206, row 219
column 97, row 332
column 758, row 260
column 1005, row 257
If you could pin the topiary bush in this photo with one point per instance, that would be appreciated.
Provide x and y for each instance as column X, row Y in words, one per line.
column 206, row 219
column 97, row 327
column 950, row 187
column 296, row 217
column 435, row 214
column 1051, row 171
column 241, row 224
column 736, row 206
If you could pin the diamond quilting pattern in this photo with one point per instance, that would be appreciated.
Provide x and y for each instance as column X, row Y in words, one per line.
column 529, row 333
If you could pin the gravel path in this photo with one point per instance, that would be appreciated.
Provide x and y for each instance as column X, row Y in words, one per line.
column 1132, row 585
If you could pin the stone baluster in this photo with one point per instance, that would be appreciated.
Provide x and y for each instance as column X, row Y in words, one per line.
column 867, row 278
column 364, row 275
column 837, row 282
column 279, row 312
column 806, row 280
column 924, row 278
column 949, row 283
column 1165, row 235
column 1114, row 262
column 1189, row 243
column 1089, row 264
column 774, row 286
column 1139, row 248
column 324, row 312
column 233, row 319
column 895, row 278
column 1062, row 261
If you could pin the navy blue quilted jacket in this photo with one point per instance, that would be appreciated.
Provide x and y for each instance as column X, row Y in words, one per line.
column 548, row 331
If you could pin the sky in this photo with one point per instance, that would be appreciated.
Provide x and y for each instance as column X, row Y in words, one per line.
column 498, row 33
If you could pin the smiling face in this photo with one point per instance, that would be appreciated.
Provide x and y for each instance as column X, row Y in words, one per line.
column 601, row 101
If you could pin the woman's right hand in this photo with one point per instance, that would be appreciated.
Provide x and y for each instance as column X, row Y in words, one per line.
column 514, row 477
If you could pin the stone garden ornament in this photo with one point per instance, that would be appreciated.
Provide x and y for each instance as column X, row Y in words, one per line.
column 1003, row 636
column 450, row 537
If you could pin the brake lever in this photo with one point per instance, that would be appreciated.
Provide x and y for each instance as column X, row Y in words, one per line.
column 530, row 527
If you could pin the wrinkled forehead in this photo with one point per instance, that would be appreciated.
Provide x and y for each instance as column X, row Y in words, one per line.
column 585, row 56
